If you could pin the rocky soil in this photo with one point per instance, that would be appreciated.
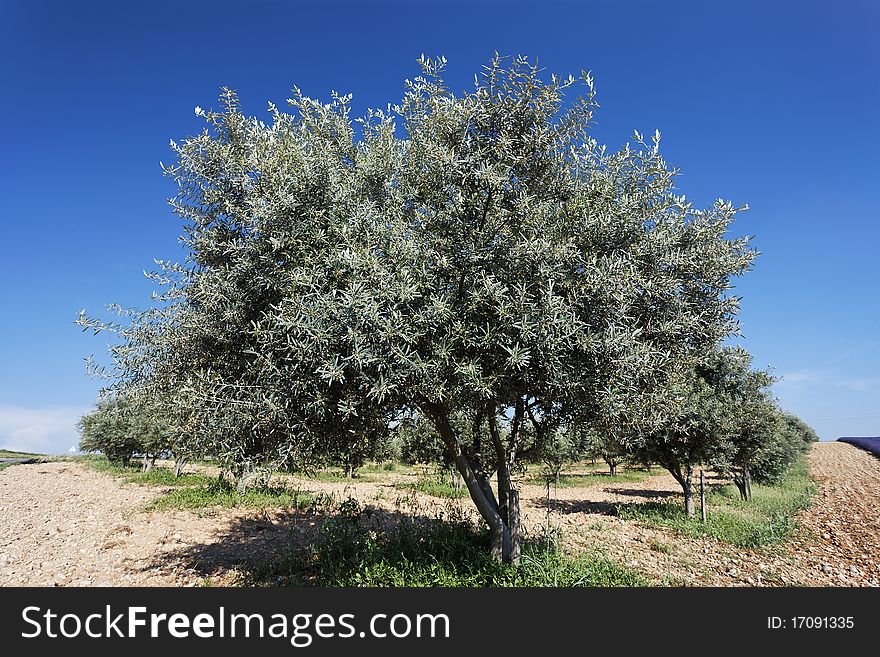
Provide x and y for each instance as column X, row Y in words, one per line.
column 63, row 524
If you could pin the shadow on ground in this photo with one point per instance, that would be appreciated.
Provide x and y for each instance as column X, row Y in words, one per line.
column 276, row 550
column 637, row 492
column 578, row 506
column 246, row 544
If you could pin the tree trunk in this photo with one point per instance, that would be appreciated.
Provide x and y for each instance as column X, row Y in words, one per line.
column 247, row 474
column 506, row 495
column 688, row 486
column 513, row 514
column 747, row 481
column 485, row 502
column 612, row 468
column 702, row 495
column 740, row 484
column 179, row 462
column 149, row 462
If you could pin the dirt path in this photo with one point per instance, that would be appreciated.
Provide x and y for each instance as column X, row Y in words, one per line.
column 839, row 540
column 63, row 524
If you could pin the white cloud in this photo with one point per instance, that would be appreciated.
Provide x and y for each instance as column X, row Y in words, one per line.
column 49, row 430
column 802, row 376
column 859, row 385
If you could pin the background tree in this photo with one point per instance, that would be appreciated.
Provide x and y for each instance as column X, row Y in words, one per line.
column 565, row 445
column 749, row 415
column 608, row 444
column 693, row 427
column 121, row 428
column 790, row 440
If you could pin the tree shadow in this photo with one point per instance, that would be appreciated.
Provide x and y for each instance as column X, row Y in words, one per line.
column 578, row 506
column 245, row 544
column 635, row 492
column 292, row 549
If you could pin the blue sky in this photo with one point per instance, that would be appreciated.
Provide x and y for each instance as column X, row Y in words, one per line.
column 772, row 104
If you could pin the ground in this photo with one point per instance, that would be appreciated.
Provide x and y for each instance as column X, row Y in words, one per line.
column 65, row 524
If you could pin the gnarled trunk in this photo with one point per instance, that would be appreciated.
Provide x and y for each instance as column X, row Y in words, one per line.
column 502, row 515
column 247, row 474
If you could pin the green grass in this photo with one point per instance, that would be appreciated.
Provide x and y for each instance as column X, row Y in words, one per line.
column 385, row 468
column 436, row 488
column 597, row 478
column 765, row 520
column 335, row 476
column 217, row 493
column 354, row 550
column 196, row 491
column 156, row 476
column 6, row 454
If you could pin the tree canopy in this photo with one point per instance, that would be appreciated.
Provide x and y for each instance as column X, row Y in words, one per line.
column 477, row 260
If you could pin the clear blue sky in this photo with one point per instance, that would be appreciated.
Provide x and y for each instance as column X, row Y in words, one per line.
column 772, row 104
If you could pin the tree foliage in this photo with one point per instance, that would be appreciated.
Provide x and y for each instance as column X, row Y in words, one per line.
column 790, row 439
column 477, row 259
column 121, row 428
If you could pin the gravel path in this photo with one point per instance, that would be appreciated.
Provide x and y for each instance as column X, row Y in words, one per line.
column 58, row 525
column 63, row 524
column 839, row 541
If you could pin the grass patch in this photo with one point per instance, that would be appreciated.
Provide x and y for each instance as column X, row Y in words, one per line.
column 197, row 491
column 765, row 520
column 388, row 467
column 598, row 478
column 356, row 549
column 435, row 488
column 336, row 476
column 217, row 493
column 6, row 454
column 155, row 476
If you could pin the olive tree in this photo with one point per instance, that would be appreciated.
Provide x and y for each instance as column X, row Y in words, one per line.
column 609, row 445
column 790, row 439
column 692, row 428
column 748, row 416
column 478, row 259
column 513, row 270
column 564, row 446
column 120, row 428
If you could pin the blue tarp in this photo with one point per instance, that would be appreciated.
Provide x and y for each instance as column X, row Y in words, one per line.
column 870, row 444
